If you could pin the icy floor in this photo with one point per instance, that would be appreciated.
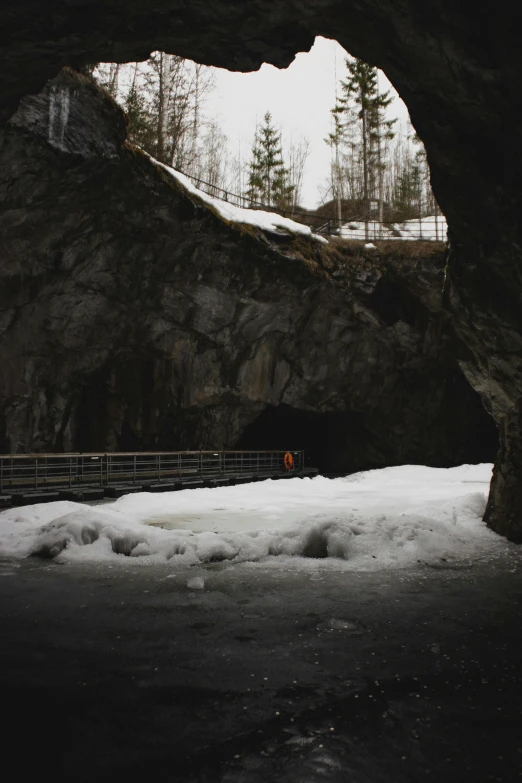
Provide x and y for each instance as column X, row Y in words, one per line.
column 384, row 518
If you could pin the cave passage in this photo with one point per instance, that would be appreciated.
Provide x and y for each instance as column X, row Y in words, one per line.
column 340, row 443
column 321, row 436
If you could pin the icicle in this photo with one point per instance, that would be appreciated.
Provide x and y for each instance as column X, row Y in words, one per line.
column 59, row 107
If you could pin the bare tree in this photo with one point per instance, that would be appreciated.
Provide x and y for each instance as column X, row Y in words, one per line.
column 296, row 157
column 212, row 159
column 165, row 98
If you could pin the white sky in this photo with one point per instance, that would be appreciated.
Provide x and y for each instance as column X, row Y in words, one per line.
column 299, row 98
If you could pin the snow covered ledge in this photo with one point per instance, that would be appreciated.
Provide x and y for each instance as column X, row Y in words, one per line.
column 266, row 221
column 390, row 518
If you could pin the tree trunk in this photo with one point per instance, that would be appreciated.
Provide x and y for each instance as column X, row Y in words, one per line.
column 338, row 178
column 365, row 169
column 381, row 174
column 162, row 108
column 113, row 79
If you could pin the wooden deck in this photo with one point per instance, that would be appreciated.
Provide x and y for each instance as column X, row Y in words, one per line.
column 36, row 478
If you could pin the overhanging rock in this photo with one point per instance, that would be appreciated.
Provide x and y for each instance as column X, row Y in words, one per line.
column 135, row 316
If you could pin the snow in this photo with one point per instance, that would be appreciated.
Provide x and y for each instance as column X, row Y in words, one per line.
column 393, row 517
column 196, row 583
column 266, row 221
column 431, row 228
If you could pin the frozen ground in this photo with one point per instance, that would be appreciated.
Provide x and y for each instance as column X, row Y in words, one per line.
column 267, row 674
column 388, row 518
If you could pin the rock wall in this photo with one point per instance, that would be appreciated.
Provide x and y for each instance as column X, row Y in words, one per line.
column 458, row 66
column 133, row 316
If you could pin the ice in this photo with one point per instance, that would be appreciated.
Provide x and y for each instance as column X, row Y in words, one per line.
column 196, row 583
column 393, row 517
column 266, row 221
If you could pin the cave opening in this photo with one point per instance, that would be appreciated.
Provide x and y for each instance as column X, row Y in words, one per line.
column 319, row 435
column 249, row 138
column 347, row 442
column 400, row 673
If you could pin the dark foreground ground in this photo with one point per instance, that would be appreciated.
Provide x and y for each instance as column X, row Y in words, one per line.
column 303, row 676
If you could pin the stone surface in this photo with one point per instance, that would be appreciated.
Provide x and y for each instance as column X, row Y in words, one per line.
column 132, row 316
column 505, row 500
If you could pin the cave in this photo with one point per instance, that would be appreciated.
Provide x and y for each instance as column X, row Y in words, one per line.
column 242, row 672
column 136, row 318
column 343, row 443
column 458, row 71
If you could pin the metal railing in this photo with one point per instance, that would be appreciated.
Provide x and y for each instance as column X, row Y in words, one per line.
column 362, row 227
column 247, row 203
column 430, row 228
column 29, row 472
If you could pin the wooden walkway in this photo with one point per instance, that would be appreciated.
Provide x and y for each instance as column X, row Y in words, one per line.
column 37, row 478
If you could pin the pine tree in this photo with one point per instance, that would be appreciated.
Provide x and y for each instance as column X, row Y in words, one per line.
column 335, row 139
column 405, row 193
column 413, row 197
column 140, row 121
column 361, row 126
column 268, row 180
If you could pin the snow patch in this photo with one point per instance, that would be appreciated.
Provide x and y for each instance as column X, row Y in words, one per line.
column 196, row 583
column 431, row 228
column 393, row 517
column 266, row 221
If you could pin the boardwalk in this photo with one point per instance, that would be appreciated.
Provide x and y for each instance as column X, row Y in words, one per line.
column 33, row 478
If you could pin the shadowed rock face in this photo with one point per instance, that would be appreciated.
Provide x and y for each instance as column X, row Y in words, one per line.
column 458, row 66
column 132, row 316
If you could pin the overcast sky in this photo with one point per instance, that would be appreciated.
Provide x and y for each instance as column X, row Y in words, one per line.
column 299, row 99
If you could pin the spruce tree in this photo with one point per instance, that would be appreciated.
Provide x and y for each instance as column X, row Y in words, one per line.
column 268, row 180
column 361, row 107
column 412, row 194
column 140, row 122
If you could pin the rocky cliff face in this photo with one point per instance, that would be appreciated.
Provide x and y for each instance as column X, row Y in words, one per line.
column 133, row 316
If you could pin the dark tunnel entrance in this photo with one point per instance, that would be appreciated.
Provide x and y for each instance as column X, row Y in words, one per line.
column 341, row 443
column 323, row 437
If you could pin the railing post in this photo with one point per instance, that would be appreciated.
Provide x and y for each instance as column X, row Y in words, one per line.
column 36, row 473
column 159, row 467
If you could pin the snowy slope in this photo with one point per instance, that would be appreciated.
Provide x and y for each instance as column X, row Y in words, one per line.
column 384, row 518
column 266, row 221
